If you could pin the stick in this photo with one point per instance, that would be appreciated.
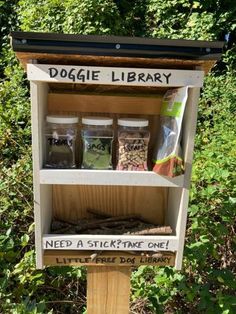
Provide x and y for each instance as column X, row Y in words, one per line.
column 119, row 218
column 94, row 255
column 112, row 221
column 97, row 213
column 105, row 215
column 157, row 254
column 152, row 231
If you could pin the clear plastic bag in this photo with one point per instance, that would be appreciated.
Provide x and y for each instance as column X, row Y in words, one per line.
column 167, row 157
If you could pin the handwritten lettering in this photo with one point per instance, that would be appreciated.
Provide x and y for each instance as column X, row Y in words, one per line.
column 59, row 142
column 105, row 260
column 85, row 75
column 81, row 75
column 155, row 260
column 156, row 245
column 132, row 76
column 132, row 245
column 127, row 260
column 167, row 76
column 117, row 244
column 76, row 260
column 53, row 72
column 80, row 244
column 121, row 260
column 71, row 74
column 57, row 244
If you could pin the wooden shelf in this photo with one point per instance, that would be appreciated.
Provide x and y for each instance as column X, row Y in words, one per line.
column 108, row 177
column 109, row 242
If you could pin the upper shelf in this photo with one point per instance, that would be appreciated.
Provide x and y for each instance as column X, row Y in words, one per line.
column 108, row 177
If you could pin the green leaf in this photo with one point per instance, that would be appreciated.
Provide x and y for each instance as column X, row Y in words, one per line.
column 24, row 240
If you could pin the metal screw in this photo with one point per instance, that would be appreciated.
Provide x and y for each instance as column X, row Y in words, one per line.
column 24, row 41
column 117, row 46
column 208, row 49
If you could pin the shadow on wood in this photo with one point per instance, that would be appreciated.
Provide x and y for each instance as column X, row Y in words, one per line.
column 108, row 290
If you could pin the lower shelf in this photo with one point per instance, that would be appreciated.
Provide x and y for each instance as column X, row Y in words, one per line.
column 108, row 177
column 89, row 258
column 109, row 242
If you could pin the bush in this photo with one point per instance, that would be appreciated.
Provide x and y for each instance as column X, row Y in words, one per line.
column 207, row 282
column 80, row 16
column 200, row 20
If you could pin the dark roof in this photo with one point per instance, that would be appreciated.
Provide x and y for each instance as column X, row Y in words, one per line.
column 54, row 43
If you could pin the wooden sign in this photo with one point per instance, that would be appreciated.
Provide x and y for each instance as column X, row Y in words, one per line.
column 86, row 258
column 114, row 76
column 111, row 242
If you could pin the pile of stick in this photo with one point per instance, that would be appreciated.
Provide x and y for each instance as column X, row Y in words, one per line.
column 118, row 225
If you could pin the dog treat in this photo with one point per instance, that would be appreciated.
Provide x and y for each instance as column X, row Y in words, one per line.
column 60, row 138
column 167, row 158
column 133, row 139
column 97, row 138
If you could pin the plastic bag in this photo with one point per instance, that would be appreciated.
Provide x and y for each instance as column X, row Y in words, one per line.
column 167, row 157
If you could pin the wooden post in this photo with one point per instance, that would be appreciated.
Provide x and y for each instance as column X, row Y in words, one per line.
column 108, row 290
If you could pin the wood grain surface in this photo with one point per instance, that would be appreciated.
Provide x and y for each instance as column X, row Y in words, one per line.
column 26, row 57
column 108, row 290
column 92, row 258
column 70, row 202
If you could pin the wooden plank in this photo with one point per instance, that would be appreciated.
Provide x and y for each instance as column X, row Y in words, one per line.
column 107, row 90
column 172, row 213
column 108, row 177
column 189, row 130
column 42, row 194
column 109, row 242
column 114, row 75
column 171, row 63
column 108, row 290
column 70, row 202
column 103, row 104
column 87, row 258
column 206, row 66
column 35, row 89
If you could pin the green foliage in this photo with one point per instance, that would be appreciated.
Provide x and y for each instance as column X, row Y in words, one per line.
column 69, row 16
column 158, row 285
column 41, row 15
column 14, row 113
column 212, row 212
column 188, row 19
column 92, row 17
column 7, row 22
column 7, row 18
column 207, row 282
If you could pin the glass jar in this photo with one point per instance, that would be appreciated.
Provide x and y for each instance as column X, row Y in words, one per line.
column 97, row 138
column 60, row 140
column 133, row 139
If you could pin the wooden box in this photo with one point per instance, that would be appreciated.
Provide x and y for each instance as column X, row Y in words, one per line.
column 66, row 194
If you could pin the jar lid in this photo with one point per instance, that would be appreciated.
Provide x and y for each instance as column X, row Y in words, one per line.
column 97, row 121
column 133, row 122
column 62, row 119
